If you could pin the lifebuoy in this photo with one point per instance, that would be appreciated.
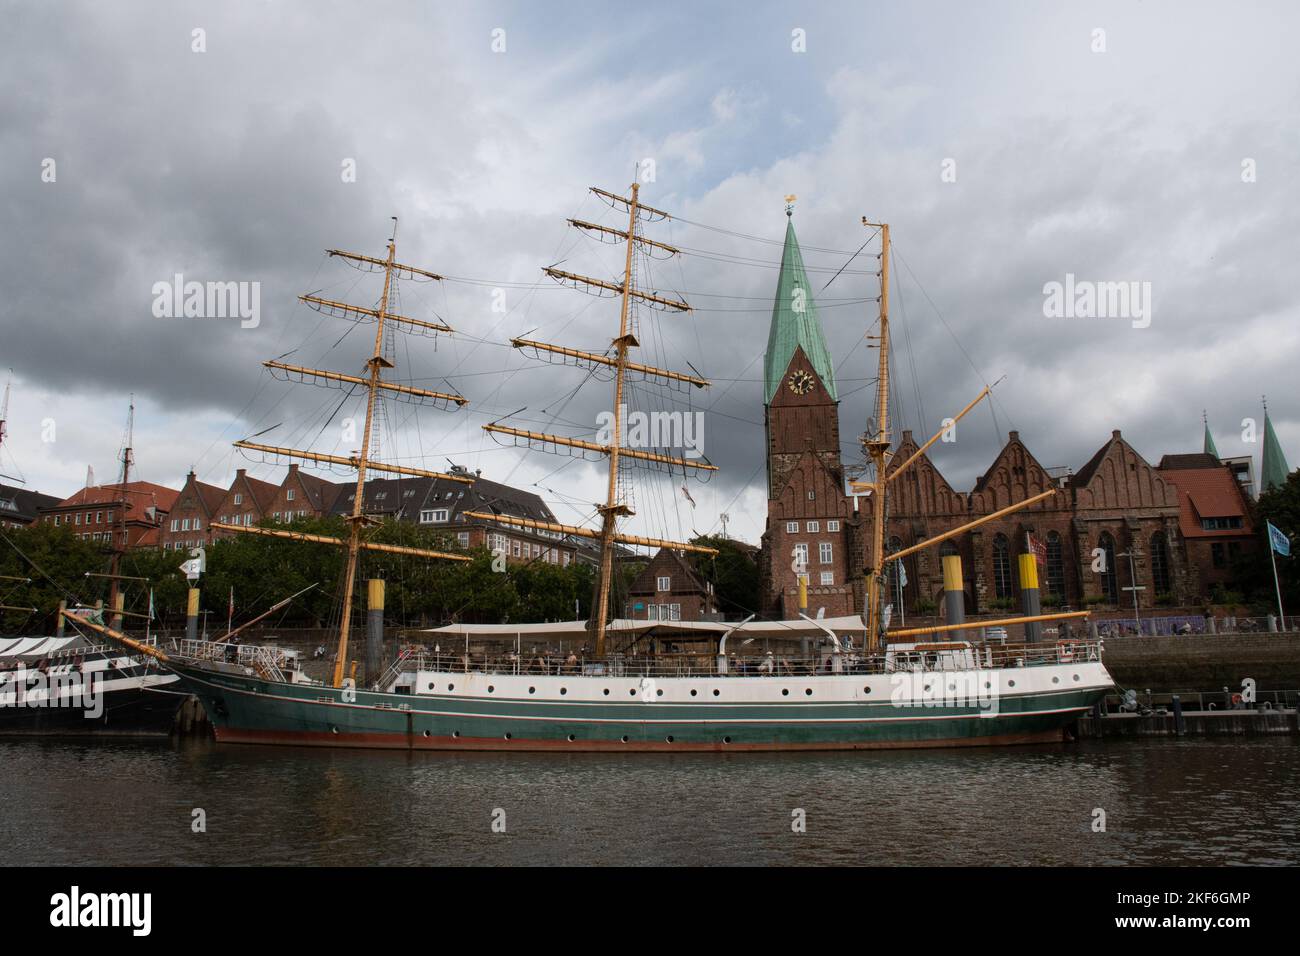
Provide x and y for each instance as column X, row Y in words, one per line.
column 1236, row 699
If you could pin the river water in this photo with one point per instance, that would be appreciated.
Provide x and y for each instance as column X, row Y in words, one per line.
column 1189, row 801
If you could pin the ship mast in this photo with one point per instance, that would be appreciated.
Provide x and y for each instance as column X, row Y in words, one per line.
column 358, row 521
column 119, row 544
column 878, row 447
column 616, row 450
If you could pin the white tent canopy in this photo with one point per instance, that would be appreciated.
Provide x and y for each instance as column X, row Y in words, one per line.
column 571, row 630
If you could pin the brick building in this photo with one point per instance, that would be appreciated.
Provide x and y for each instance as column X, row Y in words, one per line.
column 440, row 504
column 95, row 513
column 187, row 524
column 1214, row 516
column 668, row 589
column 810, row 520
column 1115, row 524
column 247, row 501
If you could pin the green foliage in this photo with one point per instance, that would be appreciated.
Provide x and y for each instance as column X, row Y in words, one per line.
column 733, row 571
column 1252, row 573
column 1002, row 604
column 925, row 606
column 62, row 557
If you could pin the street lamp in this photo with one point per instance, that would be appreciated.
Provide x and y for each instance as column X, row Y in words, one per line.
column 1135, row 587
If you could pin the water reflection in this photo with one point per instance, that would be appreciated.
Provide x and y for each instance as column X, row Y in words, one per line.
column 1166, row 802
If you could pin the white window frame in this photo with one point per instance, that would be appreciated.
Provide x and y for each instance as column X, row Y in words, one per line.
column 832, row 526
column 828, row 577
column 792, row 527
column 663, row 582
column 426, row 516
column 288, row 494
column 814, row 527
column 825, row 552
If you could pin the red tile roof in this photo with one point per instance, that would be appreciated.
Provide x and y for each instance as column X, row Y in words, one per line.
column 141, row 494
column 1208, row 493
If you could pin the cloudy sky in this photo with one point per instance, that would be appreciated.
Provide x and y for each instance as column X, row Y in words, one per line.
column 1136, row 142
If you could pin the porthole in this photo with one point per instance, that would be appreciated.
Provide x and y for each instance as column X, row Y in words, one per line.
column 532, row 690
column 563, row 691
column 808, row 691
column 625, row 738
column 866, row 690
column 632, row 692
column 507, row 737
column 430, row 685
column 659, row 693
column 669, row 738
column 726, row 740
column 987, row 685
column 927, row 688
column 1076, row 677
column 1056, row 680
column 455, row 733
column 1011, row 683
column 785, row 691
column 491, row 688
column 572, row 738
column 451, row 687
column 694, row 692
column 334, row 730
column 716, row 692
column 427, row 734
column 606, row 691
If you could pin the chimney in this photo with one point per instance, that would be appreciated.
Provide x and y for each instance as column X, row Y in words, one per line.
column 239, row 473
column 1115, row 434
column 1013, row 436
column 293, row 468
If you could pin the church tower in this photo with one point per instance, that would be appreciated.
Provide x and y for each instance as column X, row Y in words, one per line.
column 808, row 513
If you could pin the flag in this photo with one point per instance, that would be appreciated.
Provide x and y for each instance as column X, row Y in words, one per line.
column 232, row 601
column 902, row 573
column 1279, row 541
column 1038, row 548
column 688, row 496
column 151, row 617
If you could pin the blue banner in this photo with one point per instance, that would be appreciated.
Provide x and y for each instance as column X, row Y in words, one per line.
column 1278, row 540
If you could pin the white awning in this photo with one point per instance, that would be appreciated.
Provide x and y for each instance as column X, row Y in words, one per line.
column 570, row 630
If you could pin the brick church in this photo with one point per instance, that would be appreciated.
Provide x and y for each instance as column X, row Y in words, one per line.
column 1167, row 529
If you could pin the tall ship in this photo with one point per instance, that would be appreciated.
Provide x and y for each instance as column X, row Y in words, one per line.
column 843, row 681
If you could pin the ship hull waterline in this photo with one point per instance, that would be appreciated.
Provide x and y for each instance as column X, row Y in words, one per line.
column 249, row 710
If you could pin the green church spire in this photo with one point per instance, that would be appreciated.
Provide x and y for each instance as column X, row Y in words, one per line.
column 794, row 322
column 1209, row 448
column 1274, row 469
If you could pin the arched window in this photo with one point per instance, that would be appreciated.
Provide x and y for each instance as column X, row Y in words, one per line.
column 1055, row 565
column 1002, row 586
column 1160, row 564
column 1109, row 579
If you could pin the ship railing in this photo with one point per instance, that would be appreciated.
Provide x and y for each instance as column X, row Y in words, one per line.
column 415, row 659
column 268, row 662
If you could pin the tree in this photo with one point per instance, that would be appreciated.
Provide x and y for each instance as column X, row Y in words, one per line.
column 734, row 574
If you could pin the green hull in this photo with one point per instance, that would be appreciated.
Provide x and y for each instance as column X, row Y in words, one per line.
column 250, row 710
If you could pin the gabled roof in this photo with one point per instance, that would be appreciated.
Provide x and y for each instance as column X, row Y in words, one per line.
column 794, row 323
column 1212, row 492
column 1194, row 460
column 644, row 582
column 21, row 504
column 141, row 494
column 408, row 496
